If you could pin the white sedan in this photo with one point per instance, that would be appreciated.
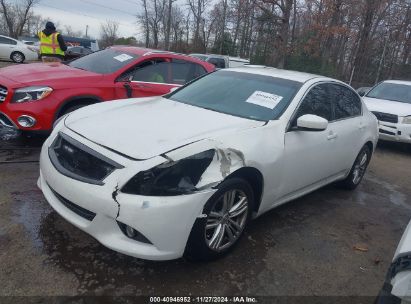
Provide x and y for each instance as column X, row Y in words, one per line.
column 390, row 101
column 17, row 51
column 159, row 178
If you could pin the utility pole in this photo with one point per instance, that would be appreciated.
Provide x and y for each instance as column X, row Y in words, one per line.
column 87, row 31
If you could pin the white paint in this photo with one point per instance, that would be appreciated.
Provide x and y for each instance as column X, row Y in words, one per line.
column 7, row 49
column 402, row 129
column 292, row 162
column 313, row 122
column 401, row 283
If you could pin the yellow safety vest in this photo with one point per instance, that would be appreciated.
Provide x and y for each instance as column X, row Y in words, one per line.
column 50, row 44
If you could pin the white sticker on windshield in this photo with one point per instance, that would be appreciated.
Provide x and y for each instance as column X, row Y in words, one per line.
column 123, row 57
column 264, row 99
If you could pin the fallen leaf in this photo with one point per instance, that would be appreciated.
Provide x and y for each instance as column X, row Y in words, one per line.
column 361, row 248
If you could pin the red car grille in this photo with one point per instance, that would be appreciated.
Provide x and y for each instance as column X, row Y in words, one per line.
column 3, row 93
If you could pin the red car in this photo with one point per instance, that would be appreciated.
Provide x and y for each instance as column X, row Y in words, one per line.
column 33, row 96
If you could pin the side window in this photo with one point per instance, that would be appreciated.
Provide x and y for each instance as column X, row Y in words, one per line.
column 218, row 62
column 154, row 70
column 184, row 71
column 316, row 102
column 4, row 40
column 346, row 102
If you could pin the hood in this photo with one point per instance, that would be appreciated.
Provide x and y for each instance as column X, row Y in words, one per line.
column 147, row 127
column 388, row 106
column 42, row 73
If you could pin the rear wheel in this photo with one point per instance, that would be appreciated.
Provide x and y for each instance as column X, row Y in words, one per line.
column 358, row 169
column 17, row 57
column 227, row 213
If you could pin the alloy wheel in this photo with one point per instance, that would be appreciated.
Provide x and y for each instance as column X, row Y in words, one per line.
column 17, row 57
column 360, row 167
column 227, row 219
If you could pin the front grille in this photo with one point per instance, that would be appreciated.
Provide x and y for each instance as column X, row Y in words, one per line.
column 84, row 213
column 387, row 132
column 75, row 160
column 386, row 117
column 4, row 120
column 3, row 93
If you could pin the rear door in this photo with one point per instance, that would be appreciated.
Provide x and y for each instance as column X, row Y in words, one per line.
column 349, row 125
column 6, row 47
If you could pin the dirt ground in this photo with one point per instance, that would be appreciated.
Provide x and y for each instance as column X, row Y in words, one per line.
column 304, row 248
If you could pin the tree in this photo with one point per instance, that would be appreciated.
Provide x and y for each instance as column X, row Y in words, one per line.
column 109, row 32
column 16, row 15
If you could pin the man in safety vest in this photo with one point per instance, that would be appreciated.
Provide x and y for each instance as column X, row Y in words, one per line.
column 52, row 46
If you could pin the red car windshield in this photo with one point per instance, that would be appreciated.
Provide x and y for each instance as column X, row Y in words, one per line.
column 104, row 62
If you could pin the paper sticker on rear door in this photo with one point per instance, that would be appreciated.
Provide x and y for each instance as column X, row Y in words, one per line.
column 264, row 99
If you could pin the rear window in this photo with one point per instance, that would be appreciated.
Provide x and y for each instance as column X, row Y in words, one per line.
column 104, row 62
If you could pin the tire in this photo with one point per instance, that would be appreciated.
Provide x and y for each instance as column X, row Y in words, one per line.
column 358, row 169
column 17, row 57
column 205, row 243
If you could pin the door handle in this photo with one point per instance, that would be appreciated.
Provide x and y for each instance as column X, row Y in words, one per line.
column 331, row 136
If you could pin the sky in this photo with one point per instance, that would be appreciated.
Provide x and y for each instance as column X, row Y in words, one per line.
column 80, row 13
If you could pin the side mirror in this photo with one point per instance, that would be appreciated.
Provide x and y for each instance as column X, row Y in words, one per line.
column 311, row 122
column 361, row 93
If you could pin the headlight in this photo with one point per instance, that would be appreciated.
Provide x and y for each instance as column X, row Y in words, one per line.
column 171, row 178
column 407, row 120
column 31, row 94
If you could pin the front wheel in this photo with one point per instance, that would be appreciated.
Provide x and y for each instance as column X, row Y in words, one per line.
column 227, row 213
column 358, row 169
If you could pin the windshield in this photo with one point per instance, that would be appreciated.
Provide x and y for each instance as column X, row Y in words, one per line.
column 104, row 62
column 240, row 94
column 391, row 91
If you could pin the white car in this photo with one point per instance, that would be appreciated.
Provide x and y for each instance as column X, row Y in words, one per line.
column 390, row 101
column 397, row 287
column 162, row 177
column 236, row 62
column 17, row 51
column 219, row 61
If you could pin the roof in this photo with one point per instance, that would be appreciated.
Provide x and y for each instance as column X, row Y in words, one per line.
column 139, row 50
column 273, row 72
column 405, row 82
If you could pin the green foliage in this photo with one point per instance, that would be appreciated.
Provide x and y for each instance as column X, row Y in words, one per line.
column 227, row 45
column 126, row 41
column 310, row 64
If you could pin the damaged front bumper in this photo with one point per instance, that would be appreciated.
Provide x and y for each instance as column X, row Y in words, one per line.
column 165, row 221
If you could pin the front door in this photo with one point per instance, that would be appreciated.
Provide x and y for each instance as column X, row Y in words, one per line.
column 309, row 155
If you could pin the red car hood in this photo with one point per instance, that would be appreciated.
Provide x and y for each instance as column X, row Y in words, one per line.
column 42, row 72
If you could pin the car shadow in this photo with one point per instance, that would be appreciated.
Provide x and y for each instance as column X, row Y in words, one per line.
column 396, row 147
